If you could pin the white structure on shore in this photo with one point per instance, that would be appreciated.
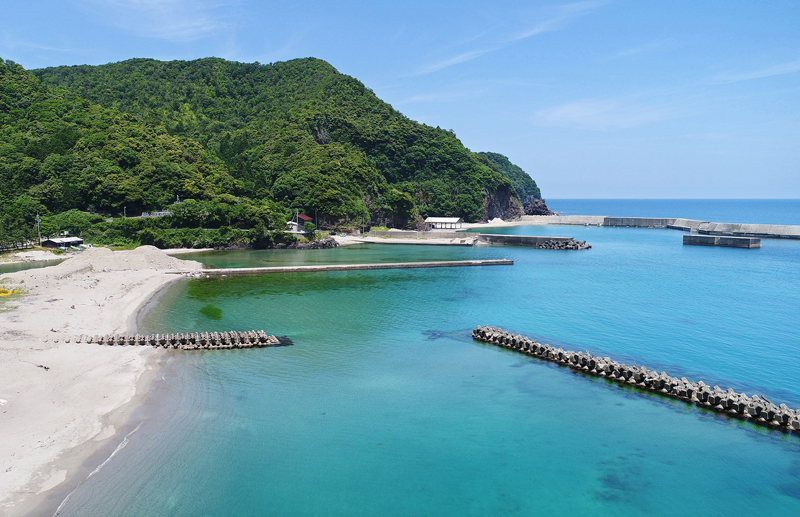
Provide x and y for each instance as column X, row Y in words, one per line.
column 62, row 242
column 444, row 223
column 297, row 222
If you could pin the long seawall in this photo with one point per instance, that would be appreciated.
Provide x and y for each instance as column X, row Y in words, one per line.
column 759, row 410
column 767, row 231
column 345, row 267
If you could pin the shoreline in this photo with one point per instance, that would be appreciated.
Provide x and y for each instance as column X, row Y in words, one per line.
column 57, row 419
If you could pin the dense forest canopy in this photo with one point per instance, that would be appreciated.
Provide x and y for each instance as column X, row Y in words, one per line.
column 523, row 184
column 136, row 135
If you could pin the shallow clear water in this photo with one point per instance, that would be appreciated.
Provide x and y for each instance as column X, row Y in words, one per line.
column 22, row 266
column 385, row 406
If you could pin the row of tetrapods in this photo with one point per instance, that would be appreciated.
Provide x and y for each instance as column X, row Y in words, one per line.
column 190, row 341
column 760, row 410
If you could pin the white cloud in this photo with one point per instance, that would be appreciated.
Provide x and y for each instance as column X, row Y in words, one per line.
column 449, row 96
column 173, row 20
column 780, row 69
column 600, row 115
column 563, row 14
column 460, row 58
column 11, row 42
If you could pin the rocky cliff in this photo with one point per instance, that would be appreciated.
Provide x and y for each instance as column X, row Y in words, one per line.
column 534, row 206
column 503, row 204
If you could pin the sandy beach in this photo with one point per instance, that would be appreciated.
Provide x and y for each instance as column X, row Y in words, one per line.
column 33, row 256
column 60, row 401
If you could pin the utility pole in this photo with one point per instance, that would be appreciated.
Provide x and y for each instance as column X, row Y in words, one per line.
column 39, row 228
column 125, row 212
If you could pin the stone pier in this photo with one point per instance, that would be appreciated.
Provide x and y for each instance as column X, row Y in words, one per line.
column 729, row 242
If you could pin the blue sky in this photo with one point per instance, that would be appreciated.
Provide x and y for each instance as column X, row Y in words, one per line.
column 608, row 99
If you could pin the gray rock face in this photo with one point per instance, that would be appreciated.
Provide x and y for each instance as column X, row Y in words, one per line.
column 535, row 206
column 502, row 204
column 325, row 243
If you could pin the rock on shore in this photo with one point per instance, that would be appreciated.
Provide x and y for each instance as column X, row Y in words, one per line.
column 537, row 207
column 320, row 244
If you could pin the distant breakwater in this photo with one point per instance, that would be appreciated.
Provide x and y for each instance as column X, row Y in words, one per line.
column 758, row 410
column 468, row 238
column 190, row 341
column 765, row 231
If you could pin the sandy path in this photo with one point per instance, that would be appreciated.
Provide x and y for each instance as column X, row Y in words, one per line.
column 51, row 420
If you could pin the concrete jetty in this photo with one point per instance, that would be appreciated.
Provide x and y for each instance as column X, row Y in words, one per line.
column 346, row 267
column 764, row 231
column 758, row 410
column 730, row 242
column 191, row 341
column 466, row 238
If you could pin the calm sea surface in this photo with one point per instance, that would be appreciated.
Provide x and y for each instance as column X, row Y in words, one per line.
column 385, row 406
column 21, row 266
column 762, row 211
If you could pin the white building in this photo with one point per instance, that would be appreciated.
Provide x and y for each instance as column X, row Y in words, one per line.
column 444, row 223
column 62, row 242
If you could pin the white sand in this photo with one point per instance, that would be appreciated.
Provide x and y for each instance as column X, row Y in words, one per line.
column 33, row 256
column 52, row 420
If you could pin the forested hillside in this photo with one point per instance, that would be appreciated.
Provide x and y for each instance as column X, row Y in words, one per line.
column 62, row 156
column 308, row 136
column 241, row 145
column 523, row 184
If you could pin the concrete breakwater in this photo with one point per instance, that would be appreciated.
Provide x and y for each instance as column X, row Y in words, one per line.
column 545, row 243
column 715, row 240
column 466, row 238
column 768, row 231
column 759, row 410
column 190, row 341
column 345, row 267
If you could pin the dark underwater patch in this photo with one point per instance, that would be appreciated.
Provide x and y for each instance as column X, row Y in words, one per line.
column 211, row 312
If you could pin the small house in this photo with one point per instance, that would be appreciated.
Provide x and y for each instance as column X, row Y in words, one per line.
column 444, row 223
column 296, row 225
column 62, row 242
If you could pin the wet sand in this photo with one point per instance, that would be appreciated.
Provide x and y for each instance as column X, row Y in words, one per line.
column 62, row 401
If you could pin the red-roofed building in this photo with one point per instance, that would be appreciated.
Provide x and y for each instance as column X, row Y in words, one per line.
column 296, row 225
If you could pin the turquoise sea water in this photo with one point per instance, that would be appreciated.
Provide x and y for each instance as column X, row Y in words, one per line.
column 21, row 266
column 762, row 211
column 385, row 406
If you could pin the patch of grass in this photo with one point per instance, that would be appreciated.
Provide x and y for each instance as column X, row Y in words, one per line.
column 8, row 294
column 121, row 246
